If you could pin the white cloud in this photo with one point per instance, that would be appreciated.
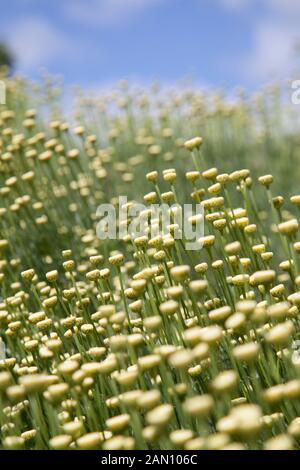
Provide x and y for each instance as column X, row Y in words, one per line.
column 273, row 54
column 284, row 6
column 275, row 37
column 105, row 12
column 36, row 42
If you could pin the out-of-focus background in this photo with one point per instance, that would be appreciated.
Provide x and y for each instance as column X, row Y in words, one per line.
column 225, row 70
column 94, row 43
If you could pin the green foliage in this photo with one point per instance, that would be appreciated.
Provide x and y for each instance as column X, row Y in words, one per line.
column 141, row 343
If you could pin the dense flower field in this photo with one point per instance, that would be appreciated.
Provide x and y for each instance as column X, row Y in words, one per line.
column 141, row 343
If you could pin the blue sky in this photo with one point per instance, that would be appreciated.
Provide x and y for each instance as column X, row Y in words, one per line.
column 94, row 43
